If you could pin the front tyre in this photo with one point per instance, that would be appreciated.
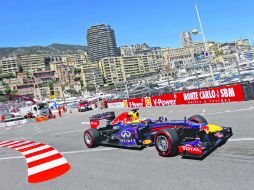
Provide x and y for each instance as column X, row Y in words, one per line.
column 91, row 138
column 166, row 142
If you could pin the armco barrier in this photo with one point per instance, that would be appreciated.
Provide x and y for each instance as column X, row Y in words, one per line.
column 229, row 93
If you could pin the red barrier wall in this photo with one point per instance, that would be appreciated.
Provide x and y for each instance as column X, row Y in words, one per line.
column 221, row 94
column 230, row 93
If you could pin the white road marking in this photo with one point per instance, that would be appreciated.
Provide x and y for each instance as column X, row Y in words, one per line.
column 10, row 158
column 241, row 139
column 203, row 112
column 69, row 152
column 91, row 150
column 109, row 149
column 232, row 111
column 67, row 132
column 85, row 123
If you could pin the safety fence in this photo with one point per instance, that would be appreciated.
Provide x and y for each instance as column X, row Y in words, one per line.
column 221, row 94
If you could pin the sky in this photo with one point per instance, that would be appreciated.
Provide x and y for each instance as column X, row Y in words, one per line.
column 155, row 22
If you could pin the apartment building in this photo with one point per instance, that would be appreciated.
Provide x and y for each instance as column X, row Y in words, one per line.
column 118, row 69
column 183, row 54
column 9, row 65
column 32, row 63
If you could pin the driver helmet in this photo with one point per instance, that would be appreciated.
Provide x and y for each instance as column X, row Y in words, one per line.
column 133, row 115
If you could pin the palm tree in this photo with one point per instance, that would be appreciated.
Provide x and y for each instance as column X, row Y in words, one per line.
column 51, row 86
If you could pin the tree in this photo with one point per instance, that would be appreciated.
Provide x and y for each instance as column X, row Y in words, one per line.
column 51, row 86
column 3, row 98
column 8, row 90
column 6, row 75
column 77, row 71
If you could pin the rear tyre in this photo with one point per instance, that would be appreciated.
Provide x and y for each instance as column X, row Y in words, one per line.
column 166, row 142
column 91, row 138
column 198, row 119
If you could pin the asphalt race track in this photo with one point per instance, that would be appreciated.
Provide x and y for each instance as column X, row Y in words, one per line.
column 229, row 167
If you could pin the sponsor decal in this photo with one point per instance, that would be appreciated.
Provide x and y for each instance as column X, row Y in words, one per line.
column 125, row 104
column 148, row 102
column 94, row 123
column 126, row 134
column 127, row 141
column 160, row 102
column 204, row 128
column 136, row 103
column 190, row 149
column 214, row 95
column 164, row 100
column 127, row 137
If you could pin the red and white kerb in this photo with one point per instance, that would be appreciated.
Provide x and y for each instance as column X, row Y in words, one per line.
column 43, row 161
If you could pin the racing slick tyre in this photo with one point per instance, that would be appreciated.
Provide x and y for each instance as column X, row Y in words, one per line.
column 166, row 142
column 91, row 138
column 198, row 119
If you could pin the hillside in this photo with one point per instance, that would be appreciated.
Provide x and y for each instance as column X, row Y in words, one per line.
column 55, row 49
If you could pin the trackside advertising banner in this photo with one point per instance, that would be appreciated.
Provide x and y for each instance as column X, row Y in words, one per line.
column 213, row 95
column 221, row 94
column 136, row 103
column 116, row 104
column 164, row 100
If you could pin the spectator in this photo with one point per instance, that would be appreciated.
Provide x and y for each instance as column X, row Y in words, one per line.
column 100, row 103
column 103, row 102
column 95, row 103
column 59, row 111
column 2, row 118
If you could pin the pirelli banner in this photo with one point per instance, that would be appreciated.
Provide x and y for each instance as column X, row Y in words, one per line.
column 222, row 94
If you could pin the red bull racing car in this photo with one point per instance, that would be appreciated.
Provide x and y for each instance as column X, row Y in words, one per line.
column 193, row 137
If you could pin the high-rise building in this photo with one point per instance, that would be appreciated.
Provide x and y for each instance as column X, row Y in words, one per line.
column 186, row 39
column 101, row 42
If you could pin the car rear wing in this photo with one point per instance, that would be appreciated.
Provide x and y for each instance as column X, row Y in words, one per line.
column 95, row 119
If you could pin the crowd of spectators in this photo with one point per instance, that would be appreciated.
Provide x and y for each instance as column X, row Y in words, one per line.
column 11, row 106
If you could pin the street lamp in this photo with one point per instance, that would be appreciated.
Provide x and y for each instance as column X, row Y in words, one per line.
column 196, row 32
column 94, row 82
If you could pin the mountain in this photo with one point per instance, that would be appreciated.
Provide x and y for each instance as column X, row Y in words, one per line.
column 53, row 49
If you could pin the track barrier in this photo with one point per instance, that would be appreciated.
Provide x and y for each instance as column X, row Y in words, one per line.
column 220, row 94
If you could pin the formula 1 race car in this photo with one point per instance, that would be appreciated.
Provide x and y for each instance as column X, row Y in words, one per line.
column 84, row 106
column 193, row 137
